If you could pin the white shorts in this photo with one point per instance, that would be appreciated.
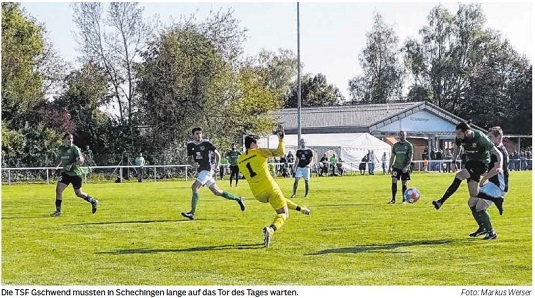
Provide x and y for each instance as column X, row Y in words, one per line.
column 302, row 172
column 205, row 178
column 492, row 190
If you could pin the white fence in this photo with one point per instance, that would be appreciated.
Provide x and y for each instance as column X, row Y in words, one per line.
column 10, row 175
column 161, row 172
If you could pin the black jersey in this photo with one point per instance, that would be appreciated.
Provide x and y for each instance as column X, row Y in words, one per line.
column 304, row 156
column 202, row 153
column 501, row 178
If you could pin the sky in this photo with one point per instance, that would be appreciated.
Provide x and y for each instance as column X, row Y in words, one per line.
column 331, row 34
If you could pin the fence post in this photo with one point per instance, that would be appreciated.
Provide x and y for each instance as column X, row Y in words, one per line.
column 47, row 177
column 186, row 172
column 9, row 177
column 154, row 173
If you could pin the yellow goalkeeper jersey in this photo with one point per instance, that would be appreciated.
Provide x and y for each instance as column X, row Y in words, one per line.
column 253, row 166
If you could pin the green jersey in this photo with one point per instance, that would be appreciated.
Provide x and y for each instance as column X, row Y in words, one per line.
column 402, row 151
column 477, row 147
column 232, row 156
column 68, row 155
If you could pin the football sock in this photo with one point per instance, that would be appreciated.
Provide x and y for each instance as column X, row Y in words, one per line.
column 296, row 183
column 485, row 219
column 394, row 190
column 476, row 216
column 227, row 195
column 58, row 205
column 306, row 187
column 291, row 205
column 194, row 201
column 403, row 189
column 278, row 221
column 89, row 199
column 451, row 190
column 231, row 180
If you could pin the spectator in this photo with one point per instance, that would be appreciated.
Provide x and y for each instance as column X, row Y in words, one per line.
column 384, row 160
column 333, row 160
column 340, row 167
column 88, row 154
column 139, row 162
column 362, row 165
column 448, row 156
column 324, row 165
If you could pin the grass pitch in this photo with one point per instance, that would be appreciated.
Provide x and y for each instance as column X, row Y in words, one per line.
column 352, row 237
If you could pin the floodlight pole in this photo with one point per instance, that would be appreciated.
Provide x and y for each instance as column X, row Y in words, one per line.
column 298, row 79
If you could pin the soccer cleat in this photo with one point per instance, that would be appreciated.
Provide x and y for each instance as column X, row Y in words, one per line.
column 437, row 204
column 499, row 204
column 305, row 210
column 188, row 215
column 268, row 234
column 491, row 236
column 293, row 196
column 405, row 202
column 306, row 196
column 392, row 202
column 55, row 213
column 242, row 203
column 94, row 206
column 480, row 231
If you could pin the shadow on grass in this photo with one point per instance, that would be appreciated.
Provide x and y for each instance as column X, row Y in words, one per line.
column 377, row 247
column 133, row 222
column 191, row 249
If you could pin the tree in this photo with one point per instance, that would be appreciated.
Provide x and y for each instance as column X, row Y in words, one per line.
column 114, row 43
column 469, row 70
column 86, row 91
column 315, row 92
column 382, row 78
column 22, row 43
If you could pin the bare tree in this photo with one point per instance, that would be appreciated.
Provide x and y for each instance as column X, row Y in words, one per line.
column 113, row 42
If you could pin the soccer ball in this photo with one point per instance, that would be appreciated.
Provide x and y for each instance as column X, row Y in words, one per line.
column 411, row 195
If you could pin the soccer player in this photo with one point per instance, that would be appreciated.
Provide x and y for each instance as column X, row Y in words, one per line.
column 71, row 159
column 199, row 152
column 232, row 157
column 494, row 190
column 477, row 148
column 400, row 162
column 302, row 166
column 253, row 165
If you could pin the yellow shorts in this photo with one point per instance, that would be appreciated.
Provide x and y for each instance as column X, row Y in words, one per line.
column 275, row 197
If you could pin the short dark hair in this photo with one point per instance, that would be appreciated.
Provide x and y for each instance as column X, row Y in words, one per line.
column 496, row 131
column 196, row 129
column 249, row 140
column 464, row 126
column 67, row 135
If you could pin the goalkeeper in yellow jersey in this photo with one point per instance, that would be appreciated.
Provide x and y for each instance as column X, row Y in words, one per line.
column 253, row 165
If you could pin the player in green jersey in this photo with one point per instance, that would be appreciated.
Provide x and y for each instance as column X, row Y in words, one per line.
column 400, row 162
column 477, row 147
column 71, row 159
column 232, row 157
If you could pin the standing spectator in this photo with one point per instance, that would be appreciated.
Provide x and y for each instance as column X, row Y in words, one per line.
column 362, row 165
column 301, row 166
column 371, row 162
column 425, row 153
column 139, row 162
column 199, row 152
column 232, row 157
column 71, row 159
column 400, row 163
column 222, row 167
column 438, row 156
column 332, row 162
column 448, row 156
column 340, row 167
column 384, row 159
column 290, row 160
